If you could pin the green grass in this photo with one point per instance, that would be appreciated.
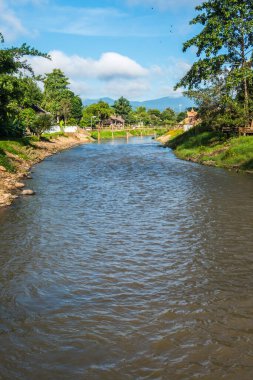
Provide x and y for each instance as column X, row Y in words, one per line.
column 213, row 148
column 108, row 134
column 148, row 131
column 104, row 134
column 16, row 147
column 19, row 148
column 6, row 162
column 51, row 136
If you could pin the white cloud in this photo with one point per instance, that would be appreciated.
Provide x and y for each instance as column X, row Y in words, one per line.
column 109, row 66
column 113, row 65
column 129, row 89
column 114, row 75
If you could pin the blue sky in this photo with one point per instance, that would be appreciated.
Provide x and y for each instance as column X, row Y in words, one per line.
column 114, row 48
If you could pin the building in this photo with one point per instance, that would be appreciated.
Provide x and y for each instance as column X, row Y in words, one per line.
column 114, row 122
column 190, row 121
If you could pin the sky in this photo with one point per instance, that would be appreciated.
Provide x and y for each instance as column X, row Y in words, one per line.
column 109, row 48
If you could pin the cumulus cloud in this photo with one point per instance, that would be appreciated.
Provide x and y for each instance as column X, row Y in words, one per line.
column 109, row 66
column 129, row 89
column 114, row 75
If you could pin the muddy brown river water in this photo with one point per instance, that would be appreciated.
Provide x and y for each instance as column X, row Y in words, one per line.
column 128, row 264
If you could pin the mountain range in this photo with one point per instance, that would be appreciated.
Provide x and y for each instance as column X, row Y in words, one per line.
column 177, row 104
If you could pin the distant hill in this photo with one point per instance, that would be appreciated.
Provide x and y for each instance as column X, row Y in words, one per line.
column 178, row 104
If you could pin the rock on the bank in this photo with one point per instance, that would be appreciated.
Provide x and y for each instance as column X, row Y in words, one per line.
column 19, row 185
column 28, row 192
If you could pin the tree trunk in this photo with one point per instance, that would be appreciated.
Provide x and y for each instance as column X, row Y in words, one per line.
column 245, row 82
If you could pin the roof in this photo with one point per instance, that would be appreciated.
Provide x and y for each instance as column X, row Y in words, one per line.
column 37, row 108
column 117, row 118
column 192, row 113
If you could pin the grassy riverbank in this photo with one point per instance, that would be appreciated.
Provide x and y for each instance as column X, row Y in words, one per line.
column 15, row 151
column 214, row 149
column 17, row 156
column 108, row 134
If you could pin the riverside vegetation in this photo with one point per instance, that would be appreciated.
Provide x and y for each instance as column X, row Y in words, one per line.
column 221, row 84
column 108, row 134
column 213, row 148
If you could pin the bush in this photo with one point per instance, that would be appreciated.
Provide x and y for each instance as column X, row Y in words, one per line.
column 12, row 129
column 41, row 124
column 27, row 118
column 72, row 121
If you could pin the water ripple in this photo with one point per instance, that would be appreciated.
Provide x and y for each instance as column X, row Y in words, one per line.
column 128, row 264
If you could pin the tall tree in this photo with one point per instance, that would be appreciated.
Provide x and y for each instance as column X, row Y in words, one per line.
column 225, row 41
column 55, row 89
column 76, row 108
column 13, row 67
column 122, row 108
column 32, row 94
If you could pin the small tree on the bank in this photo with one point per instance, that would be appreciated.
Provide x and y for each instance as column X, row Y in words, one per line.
column 41, row 124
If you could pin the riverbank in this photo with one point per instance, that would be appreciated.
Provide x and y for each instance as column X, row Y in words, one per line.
column 213, row 148
column 17, row 157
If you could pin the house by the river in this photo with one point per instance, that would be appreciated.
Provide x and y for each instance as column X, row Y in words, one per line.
column 114, row 122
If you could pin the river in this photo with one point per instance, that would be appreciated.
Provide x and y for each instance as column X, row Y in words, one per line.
column 128, row 264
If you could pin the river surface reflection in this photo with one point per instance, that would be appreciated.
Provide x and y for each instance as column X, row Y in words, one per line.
column 127, row 264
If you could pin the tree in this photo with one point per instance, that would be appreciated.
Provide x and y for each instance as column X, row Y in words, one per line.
column 225, row 42
column 122, row 108
column 168, row 116
column 27, row 118
column 76, row 108
column 66, row 105
column 55, row 89
column 216, row 107
column 41, row 124
column 142, row 116
column 31, row 93
column 96, row 113
column 13, row 69
column 181, row 116
column 155, row 116
column 58, row 99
